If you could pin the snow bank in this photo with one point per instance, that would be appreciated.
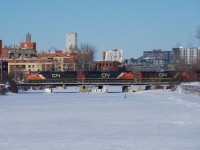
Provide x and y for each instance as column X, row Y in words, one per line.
column 189, row 88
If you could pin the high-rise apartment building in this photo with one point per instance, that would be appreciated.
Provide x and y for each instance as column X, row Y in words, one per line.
column 188, row 55
column 114, row 55
column 71, row 41
column 156, row 60
column 158, row 54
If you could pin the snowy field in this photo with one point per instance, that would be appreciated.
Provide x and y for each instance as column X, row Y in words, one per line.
column 66, row 120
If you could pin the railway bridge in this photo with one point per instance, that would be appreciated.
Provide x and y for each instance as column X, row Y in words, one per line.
column 84, row 83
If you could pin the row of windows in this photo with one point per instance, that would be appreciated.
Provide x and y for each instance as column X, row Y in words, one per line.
column 33, row 70
column 103, row 65
column 19, row 70
column 33, row 66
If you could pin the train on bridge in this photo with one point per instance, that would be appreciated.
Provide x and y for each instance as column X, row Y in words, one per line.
column 162, row 76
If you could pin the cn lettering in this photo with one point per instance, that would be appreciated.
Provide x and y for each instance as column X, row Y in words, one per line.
column 105, row 75
column 55, row 75
column 162, row 75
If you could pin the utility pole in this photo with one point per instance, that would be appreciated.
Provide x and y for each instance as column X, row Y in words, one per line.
column 15, row 65
column 1, row 68
column 89, row 66
column 74, row 66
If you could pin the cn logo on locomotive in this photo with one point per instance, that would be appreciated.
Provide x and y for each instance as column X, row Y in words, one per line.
column 162, row 75
column 55, row 75
column 105, row 75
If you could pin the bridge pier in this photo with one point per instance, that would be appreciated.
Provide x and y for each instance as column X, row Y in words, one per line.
column 154, row 87
column 126, row 88
column 64, row 86
column 100, row 87
column 147, row 87
column 139, row 88
column 84, row 89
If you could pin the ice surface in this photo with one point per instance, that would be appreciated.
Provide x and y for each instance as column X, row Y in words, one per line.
column 146, row 120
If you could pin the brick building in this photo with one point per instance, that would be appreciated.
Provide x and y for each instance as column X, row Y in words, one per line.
column 28, row 65
column 28, row 44
column 108, row 65
column 65, row 61
column 26, row 50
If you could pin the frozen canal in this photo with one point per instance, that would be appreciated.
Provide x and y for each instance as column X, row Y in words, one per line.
column 148, row 120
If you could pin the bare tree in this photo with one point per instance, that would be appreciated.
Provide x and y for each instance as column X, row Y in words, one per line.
column 86, row 55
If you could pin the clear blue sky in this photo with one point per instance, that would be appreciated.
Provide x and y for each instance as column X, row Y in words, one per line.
column 132, row 25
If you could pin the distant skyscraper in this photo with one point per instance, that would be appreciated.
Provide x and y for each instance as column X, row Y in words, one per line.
column 71, row 41
column 188, row 55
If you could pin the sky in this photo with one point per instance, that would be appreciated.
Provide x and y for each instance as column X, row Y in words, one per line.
column 131, row 25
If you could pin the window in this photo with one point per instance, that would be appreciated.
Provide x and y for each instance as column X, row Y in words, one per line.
column 23, row 66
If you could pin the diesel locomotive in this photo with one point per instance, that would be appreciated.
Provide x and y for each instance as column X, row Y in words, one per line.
column 73, row 75
column 107, row 75
column 47, row 75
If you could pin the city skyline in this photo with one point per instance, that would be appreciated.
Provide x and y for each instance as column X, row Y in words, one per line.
column 131, row 25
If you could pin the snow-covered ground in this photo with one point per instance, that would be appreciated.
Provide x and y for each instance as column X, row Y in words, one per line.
column 67, row 120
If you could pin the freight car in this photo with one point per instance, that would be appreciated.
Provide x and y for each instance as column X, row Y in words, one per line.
column 198, row 74
column 185, row 76
column 47, row 76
